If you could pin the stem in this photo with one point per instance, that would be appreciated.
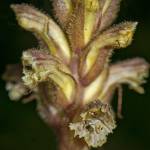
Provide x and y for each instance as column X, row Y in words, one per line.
column 59, row 122
column 68, row 142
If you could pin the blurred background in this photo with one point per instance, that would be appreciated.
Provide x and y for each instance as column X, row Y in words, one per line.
column 20, row 126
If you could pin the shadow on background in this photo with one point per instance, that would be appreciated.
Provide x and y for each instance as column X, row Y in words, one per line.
column 20, row 126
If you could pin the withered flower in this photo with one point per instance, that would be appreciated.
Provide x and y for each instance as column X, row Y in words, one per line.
column 97, row 121
column 70, row 76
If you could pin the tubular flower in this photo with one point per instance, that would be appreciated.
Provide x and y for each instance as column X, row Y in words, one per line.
column 71, row 76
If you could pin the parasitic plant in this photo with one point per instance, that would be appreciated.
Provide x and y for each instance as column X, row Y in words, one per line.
column 70, row 75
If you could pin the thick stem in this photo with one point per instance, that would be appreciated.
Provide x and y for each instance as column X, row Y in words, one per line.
column 58, row 120
column 68, row 142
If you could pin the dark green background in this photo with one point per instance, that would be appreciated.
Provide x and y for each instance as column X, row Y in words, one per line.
column 20, row 126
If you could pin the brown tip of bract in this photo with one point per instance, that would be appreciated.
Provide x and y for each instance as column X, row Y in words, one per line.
column 126, row 33
column 14, row 6
column 62, row 10
column 109, row 13
column 29, row 17
column 17, row 8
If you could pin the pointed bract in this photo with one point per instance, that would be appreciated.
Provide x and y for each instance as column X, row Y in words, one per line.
column 62, row 10
column 33, row 20
column 100, row 49
column 109, row 13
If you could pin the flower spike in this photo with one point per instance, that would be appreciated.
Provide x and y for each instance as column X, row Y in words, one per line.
column 71, row 76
